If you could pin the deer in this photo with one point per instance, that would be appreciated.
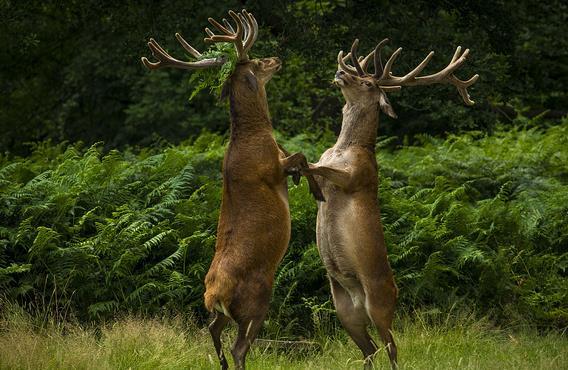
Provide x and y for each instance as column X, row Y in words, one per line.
column 254, row 221
column 349, row 233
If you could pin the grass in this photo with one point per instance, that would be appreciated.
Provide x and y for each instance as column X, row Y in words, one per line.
column 456, row 342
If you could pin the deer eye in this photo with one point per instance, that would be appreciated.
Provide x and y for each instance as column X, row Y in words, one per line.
column 368, row 84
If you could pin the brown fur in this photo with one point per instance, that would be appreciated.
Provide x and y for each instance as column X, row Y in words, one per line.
column 254, row 222
column 349, row 232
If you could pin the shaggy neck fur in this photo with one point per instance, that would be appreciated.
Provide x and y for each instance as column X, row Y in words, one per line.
column 359, row 126
column 248, row 115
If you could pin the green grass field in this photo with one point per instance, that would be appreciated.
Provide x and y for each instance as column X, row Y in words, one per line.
column 456, row 342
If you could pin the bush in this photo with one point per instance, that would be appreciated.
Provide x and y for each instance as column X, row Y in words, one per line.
column 475, row 219
column 95, row 88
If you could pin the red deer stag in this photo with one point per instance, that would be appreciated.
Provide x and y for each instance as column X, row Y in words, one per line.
column 254, row 222
column 349, row 231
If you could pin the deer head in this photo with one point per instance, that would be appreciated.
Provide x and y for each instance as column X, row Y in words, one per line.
column 360, row 86
column 249, row 76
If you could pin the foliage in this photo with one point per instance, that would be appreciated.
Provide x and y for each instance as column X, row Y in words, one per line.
column 212, row 78
column 112, row 232
column 455, row 341
column 475, row 219
column 88, row 85
column 483, row 219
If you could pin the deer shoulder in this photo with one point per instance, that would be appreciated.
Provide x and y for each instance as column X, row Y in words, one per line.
column 351, row 169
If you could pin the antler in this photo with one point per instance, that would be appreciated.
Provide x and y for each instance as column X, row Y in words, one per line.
column 446, row 75
column 166, row 60
column 243, row 38
column 387, row 81
column 360, row 63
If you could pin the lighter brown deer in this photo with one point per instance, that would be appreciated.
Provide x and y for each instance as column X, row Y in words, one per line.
column 254, row 221
column 350, row 236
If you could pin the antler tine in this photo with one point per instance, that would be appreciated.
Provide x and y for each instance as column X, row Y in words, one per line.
column 456, row 54
column 386, row 70
column 391, row 88
column 377, row 60
column 158, row 52
column 252, row 25
column 188, row 47
column 228, row 25
column 229, row 36
column 440, row 76
column 241, row 55
column 255, row 28
column 462, row 87
column 250, row 30
column 166, row 60
column 345, row 67
column 454, row 64
column 364, row 61
column 246, row 27
column 220, row 27
column 158, row 47
column 444, row 76
column 354, row 59
column 418, row 68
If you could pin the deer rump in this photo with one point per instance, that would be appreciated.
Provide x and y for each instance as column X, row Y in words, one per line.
column 254, row 227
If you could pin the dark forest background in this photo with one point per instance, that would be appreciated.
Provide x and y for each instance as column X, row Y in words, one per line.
column 71, row 70
column 110, row 176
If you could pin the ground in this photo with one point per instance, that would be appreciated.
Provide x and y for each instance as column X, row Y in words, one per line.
column 135, row 343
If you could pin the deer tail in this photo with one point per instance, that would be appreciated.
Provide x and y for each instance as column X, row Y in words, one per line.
column 219, row 292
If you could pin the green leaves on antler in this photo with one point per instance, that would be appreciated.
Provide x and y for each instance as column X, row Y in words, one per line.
column 214, row 78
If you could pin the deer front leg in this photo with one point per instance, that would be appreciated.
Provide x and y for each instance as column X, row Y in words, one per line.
column 291, row 163
column 297, row 162
column 340, row 177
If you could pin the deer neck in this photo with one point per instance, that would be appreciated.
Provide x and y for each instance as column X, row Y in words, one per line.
column 359, row 126
column 249, row 116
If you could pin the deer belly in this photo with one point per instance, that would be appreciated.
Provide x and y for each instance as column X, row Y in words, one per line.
column 256, row 220
column 338, row 245
column 340, row 268
column 282, row 192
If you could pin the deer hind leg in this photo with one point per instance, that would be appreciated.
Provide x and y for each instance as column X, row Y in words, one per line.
column 380, row 305
column 354, row 319
column 215, row 328
column 249, row 310
column 248, row 330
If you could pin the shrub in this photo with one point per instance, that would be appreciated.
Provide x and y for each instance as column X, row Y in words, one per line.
column 474, row 219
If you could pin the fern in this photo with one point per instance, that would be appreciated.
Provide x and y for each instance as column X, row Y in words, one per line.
column 481, row 219
column 212, row 78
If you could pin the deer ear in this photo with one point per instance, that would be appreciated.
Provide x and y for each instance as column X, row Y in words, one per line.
column 251, row 81
column 386, row 106
column 225, row 91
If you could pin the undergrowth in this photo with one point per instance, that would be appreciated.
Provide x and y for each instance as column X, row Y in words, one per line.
column 457, row 340
column 214, row 78
column 473, row 220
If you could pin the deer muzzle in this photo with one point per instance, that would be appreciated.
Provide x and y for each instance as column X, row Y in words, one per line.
column 338, row 80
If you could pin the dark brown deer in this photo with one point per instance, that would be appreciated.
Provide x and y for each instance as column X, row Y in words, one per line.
column 254, row 222
column 349, row 232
